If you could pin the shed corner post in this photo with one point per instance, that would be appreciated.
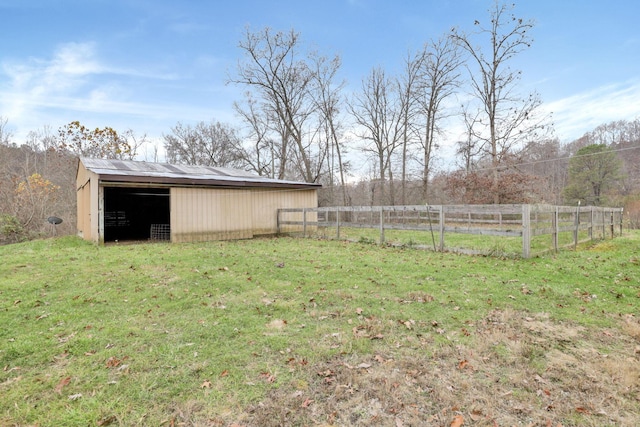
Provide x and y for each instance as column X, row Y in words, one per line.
column 526, row 231
column 278, row 221
column 338, row 223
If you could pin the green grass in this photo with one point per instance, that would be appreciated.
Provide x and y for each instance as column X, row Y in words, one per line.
column 457, row 242
column 152, row 334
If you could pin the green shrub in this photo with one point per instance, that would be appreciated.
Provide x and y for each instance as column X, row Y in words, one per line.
column 11, row 230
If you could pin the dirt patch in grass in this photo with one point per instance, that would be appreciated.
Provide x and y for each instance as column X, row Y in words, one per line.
column 514, row 369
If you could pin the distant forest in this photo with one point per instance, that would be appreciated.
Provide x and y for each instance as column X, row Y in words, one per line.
column 37, row 179
column 298, row 123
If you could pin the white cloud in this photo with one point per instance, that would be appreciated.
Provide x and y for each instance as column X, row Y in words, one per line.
column 35, row 91
column 575, row 115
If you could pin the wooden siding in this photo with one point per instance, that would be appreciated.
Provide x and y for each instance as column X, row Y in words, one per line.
column 266, row 203
column 87, row 204
column 201, row 214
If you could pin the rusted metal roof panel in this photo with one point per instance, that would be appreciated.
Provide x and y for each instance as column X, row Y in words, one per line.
column 164, row 173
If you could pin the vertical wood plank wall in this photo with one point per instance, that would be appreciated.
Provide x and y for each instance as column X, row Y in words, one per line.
column 268, row 201
column 86, row 185
column 201, row 214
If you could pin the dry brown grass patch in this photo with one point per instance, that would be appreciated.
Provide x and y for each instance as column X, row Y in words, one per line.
column 516, row 369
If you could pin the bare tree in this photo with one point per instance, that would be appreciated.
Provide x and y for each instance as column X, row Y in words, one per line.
column 207, row 144
column 439, row 63
column 261, row 156
column 376, row 112
column 328, row 102
column 409, row 94
column 506, row 118
column 280, row 77
column 5, row 135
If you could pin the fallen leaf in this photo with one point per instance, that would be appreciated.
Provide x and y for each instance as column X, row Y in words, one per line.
column 224, row 373
column 358, row 310
column 107, row 420
column 364, row 366
column 268, row 377
column 306, row 403
column 458, row 421
column 63, row 382
column 463, row 364
column 112, row 362
column 75, row 396
column 205, row 384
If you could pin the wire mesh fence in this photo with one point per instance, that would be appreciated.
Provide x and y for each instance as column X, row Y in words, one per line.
column 484, row 229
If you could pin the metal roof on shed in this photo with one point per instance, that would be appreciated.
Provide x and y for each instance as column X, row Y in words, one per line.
column 164, row 173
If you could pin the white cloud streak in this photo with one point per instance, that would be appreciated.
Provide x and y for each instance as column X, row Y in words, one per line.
column 577, row 114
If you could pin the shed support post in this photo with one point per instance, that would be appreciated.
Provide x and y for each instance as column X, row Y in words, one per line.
column 338, row 223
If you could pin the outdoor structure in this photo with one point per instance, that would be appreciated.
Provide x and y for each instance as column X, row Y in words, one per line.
column 122, row 200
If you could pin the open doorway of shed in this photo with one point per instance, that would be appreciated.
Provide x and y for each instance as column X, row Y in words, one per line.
column 131, row 213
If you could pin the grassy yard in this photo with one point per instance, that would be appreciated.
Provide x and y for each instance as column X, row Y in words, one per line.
column 289, row 332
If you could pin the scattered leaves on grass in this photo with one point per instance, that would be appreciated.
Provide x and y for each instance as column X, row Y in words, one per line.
column 63, row 382
column 107, row 420
column 114, row 362
column 458, row 421
column 268, row 377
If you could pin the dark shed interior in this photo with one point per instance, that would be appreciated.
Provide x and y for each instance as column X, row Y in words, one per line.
column 131, row 213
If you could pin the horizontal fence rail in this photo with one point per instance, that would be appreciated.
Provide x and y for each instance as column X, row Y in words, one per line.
column 565, row 225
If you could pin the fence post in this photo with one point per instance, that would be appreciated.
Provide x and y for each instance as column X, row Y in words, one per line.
column 381, row 225
column 526, row 231
column 577, row 226
column 612, row 224
column 338, row 223
column 304, row 222
column 555, row 227
column 278, row 222
column 621, row 218
column 441, row 227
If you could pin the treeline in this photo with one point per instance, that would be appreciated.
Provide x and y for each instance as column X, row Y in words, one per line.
column 380, row 145
column 37, row 177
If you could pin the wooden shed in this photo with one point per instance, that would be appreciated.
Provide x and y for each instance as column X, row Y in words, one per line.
column 122, row 200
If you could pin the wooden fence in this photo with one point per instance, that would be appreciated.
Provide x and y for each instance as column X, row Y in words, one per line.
column 564, row 225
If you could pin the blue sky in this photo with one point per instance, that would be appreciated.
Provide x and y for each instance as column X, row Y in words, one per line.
column 148, row 64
